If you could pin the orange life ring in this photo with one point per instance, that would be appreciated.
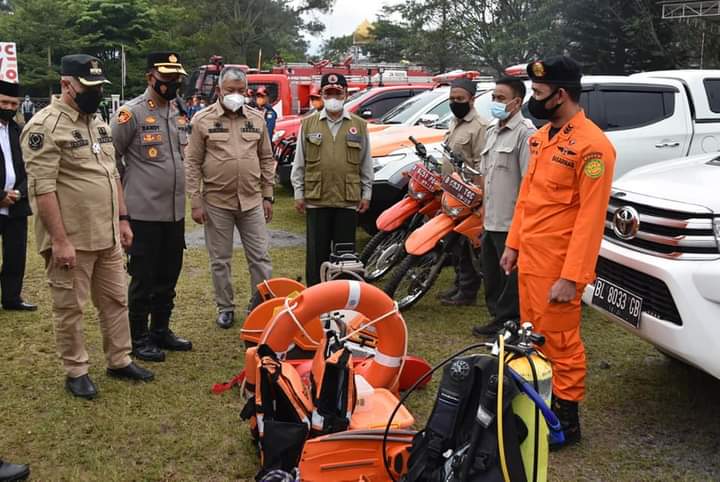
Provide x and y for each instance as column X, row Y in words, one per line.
column 380, row 371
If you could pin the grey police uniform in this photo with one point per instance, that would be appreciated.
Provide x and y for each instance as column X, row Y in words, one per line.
column 149, row 141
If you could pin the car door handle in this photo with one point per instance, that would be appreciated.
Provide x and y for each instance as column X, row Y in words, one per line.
column 667, row 144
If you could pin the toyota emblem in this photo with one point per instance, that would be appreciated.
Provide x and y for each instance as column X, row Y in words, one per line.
column 626, row 223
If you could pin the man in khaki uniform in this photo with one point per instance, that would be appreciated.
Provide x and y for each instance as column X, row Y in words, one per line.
column 82, row 224
column 332, row 174
column 503, row 165
column 230, row 176
column 149, row 135
column 467, row 137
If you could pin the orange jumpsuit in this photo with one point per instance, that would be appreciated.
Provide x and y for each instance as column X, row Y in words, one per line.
column 557, row 228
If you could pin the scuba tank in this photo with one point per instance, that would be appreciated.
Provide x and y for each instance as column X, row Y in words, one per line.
column 491, row 420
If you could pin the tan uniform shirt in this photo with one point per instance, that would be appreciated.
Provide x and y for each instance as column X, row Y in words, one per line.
column 503, row 164
column 72, row 155
column 467, row 137
column 149, row 140
column 232, row 156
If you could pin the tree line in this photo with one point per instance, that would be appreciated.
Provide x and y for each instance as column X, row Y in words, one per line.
column 606, row 36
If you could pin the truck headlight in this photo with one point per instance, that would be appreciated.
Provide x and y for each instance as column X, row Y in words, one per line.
column 380, row 162
column 277, row 135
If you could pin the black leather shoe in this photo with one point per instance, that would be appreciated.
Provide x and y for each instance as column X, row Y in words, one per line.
column 81, row 387
column 22, row 306
column 489, row 329
column 225, row 319
column 459, row 300
column 170, row 341
column 10, row 471
column 131, row 372
column 146, row 350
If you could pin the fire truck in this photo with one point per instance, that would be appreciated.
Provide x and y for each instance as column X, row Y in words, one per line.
column 289, row 84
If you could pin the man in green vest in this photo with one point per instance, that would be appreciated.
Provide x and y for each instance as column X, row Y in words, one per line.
column 332, row 174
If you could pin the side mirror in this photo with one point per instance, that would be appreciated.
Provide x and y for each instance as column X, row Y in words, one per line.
column 429, row 120
column 366, row 114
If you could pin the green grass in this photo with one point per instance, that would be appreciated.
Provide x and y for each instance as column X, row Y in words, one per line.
column 645, row 418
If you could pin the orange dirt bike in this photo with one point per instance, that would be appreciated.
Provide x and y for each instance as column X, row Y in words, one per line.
column 430, row 246
column 387, row 247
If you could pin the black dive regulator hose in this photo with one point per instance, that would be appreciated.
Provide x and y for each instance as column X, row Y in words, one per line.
column 410, row 390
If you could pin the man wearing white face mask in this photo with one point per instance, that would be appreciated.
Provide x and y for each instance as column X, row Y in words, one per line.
column 229, row 153
column 332, row 174
column 503, row 163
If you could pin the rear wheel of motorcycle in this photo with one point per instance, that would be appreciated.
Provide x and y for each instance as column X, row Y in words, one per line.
column 384, row 251
column 412, row 279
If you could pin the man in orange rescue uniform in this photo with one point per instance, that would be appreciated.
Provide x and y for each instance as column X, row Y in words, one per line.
column 558, row 224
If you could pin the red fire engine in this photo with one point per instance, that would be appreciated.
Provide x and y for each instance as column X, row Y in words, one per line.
column 289, row 84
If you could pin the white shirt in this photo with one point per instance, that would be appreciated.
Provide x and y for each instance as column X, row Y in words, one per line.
column 7, row 155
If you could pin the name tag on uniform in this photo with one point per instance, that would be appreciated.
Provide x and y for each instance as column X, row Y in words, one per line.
column 353, row 137
column 218, row 128
column 250, row 127
column 79, row 141
column 105, row 137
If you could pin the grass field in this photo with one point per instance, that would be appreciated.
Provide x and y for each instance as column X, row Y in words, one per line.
column 645, row 418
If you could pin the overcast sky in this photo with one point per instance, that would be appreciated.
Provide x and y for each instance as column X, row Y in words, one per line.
column 345, row 17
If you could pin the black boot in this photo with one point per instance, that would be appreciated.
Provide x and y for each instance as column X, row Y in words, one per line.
column 164, row 337
column 448, row 293
column 568, row 413
column 143, row 347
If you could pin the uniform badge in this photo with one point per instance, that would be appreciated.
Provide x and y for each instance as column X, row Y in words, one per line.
column 182, row 120
column 353, row 130
column 594, row 168
column 151, row 119
column 315, row 137
column 96, row 148
column 151, row 103
column 152, row 153
column 103, row 132
column 77, row 135
column 172, row 59
column 332, row 79
column 124, row 116
column 36, row 141
column 538, row 69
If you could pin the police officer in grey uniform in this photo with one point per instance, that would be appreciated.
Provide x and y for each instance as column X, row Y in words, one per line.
column 149, row 134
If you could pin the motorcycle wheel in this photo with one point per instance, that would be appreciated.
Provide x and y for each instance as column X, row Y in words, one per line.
column 384, row 251
column 412, row 279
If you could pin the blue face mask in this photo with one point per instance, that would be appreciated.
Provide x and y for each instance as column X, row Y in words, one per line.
column 497, row 110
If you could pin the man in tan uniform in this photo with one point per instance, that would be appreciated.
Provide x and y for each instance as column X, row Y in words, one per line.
column 229, row 153
column 467, row 137
column 82, row 223
column 149, row 134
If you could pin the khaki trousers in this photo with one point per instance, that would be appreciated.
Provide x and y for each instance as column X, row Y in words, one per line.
column 101, row 275
column 219, row 230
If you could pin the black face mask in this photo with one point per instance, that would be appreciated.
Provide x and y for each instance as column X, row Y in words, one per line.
column 460, row 109
column 88, row 101
column 537, row 107
column 166, row 89
column 7, row 114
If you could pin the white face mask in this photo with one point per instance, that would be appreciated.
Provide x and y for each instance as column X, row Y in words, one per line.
column 334, row 105
column 233, row 102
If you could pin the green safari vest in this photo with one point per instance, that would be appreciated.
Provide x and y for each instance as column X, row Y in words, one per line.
column 332, row 166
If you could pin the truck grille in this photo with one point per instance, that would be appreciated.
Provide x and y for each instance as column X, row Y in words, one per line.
column 678, row 232
column 657, row 300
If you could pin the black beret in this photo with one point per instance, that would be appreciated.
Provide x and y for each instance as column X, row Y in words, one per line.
column 465, row 84
column 9, row 89
column 333, row 80
column 555, row 70
column 86, row 68
column 165, row 63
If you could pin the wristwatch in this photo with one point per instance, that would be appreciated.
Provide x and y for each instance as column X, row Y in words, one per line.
column 124, row 217
column 270, row 199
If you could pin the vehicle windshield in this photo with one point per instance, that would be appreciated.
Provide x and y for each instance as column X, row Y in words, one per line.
column 355, row 97
column 411, row 107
